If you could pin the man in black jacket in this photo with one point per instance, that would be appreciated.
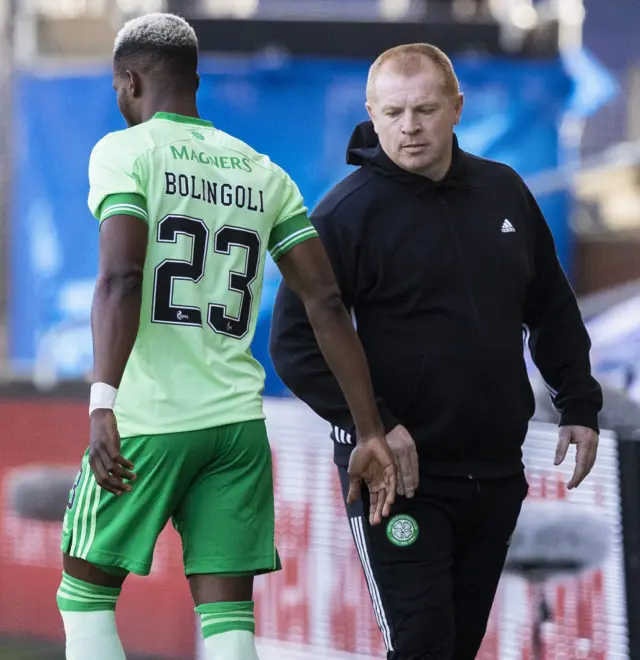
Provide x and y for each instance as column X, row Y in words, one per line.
column 446, row 262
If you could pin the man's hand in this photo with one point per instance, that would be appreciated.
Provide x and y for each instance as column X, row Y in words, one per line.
column 372, row 462
column 406, row 458
column 586, row 441
column 107, row 464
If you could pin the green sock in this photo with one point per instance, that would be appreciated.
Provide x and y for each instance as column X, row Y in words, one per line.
column 89, row 618
column 217, row 618
column 78, row 596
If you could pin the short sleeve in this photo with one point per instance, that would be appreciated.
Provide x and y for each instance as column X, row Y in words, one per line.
column 115, row 182
column 292, row 225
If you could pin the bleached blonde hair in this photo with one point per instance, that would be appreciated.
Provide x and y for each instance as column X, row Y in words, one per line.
column 158, row 31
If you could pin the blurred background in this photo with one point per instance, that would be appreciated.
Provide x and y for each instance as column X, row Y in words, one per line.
column 552, row 88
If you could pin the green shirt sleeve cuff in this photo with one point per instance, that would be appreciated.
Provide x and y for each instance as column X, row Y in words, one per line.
column 123, row 204
column 286, row 235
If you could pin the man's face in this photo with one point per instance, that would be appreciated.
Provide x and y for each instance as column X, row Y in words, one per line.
column 129, row 104
column 414, row 118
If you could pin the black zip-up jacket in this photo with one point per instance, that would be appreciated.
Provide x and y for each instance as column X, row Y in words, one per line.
column 445, row 280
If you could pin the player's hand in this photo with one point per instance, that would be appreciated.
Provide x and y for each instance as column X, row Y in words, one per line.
column 586, row 441
column 109, row 467
column 406, row 457
column 372, row 462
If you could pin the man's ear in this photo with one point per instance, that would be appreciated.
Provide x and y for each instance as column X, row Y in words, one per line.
column 459, row 106
column 134, row 83
column 370, row 113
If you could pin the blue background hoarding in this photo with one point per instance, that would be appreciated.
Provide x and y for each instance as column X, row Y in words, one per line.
column 300, row 112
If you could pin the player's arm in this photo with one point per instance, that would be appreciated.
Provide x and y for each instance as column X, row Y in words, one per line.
column 115, row 318
column 301, row 257
column 117, row 201
column 115, row 314
column 308, row 273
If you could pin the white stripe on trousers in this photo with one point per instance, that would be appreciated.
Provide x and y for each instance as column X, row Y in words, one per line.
column 361, row 545
column 342, row 436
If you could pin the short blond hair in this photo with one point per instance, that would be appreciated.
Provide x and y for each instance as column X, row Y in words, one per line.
column 408, row 59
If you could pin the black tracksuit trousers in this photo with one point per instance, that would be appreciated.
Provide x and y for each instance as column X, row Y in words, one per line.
column 433, row 567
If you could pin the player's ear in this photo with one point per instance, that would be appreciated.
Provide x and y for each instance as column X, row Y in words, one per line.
column 134, row 83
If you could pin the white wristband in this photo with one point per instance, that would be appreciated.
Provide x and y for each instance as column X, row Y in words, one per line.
column 102, row 396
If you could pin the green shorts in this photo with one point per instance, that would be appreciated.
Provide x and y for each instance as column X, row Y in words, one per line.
column 216, row 485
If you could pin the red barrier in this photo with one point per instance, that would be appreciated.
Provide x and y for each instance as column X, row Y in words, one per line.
column 318, row 606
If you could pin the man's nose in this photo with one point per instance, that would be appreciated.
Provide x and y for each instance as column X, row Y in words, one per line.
column 409, row 124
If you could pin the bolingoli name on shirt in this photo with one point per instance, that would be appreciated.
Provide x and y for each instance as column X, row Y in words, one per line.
column 212, row 192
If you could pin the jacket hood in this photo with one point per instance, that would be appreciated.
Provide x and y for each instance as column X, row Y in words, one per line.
column 364, row 150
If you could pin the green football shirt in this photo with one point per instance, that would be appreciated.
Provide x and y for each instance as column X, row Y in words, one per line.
column 214, row 207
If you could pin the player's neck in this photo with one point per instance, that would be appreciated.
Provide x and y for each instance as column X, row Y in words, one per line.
column 186, row 107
